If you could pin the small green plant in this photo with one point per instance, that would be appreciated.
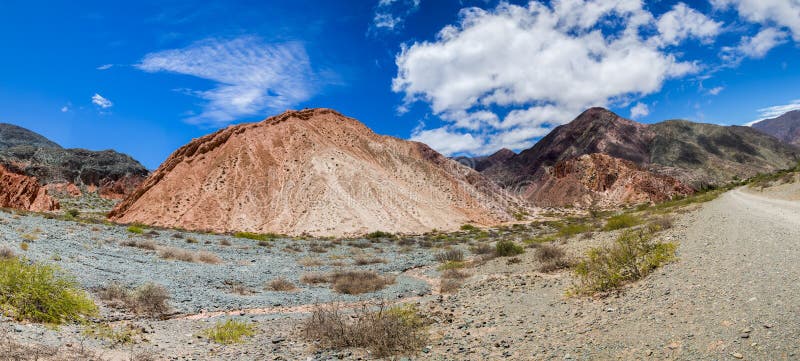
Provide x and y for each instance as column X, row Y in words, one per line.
column 135, row 229
column 508, row 249
column 253, row 236
column 469, row 228
column 633, row 256
column 41, row 293
column 73, row 213
column 452, row 265
column 621, row 221
column 230, row 331
column 570, row 230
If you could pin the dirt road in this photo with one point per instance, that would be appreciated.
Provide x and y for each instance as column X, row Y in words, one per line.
column 734, row 294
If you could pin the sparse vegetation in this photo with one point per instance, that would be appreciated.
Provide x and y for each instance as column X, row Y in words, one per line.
column 572, row 229
column 633, row 256
column 41, row 293
column 469, row 228
column 253, row 236
column 363, row 260
column 624, row 220
column 508, row 248
column 451, row 255
column 6, row 253
column 281, row 285
column 186, row 255
column 481, row 249
column 379, row 235
column 24, row 246
column 118, row 336
column 148, row 299
column 451, row 265
column 135, row 229
column 358, row 282
column 385, row 332
column 551, row 257
column 142, row 244
column 230, row 331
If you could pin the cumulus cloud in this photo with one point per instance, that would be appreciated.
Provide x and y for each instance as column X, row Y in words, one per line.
column 683, row 22
column 100, row 101
column 756, row 46
column 639, row 110
column 541, row 66
column 774, row 13
column 251, row 76
column 391, row 14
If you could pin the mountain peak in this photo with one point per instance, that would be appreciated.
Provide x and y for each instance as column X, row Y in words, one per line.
column 785, row 127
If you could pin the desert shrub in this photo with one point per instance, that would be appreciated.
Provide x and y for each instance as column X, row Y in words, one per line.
column 481, row 248
column 450, row 285
column 29, row 237
column 191, row 240
column 661, row 223
column 455, row 274
column 386, row 332
column 507, row 249
column 358, row 282
column 238, row 288
column 314, row 278
column 177, row 254
column 24, row 246
column 148, row 299
column 363, row 261
column 253, row 236
column 621, row 221
column 469, row 228
column 310, row 262
column 143, row 244
column 123, row 335
column 224, row 242
column 263, row 243
column 230, row 331
column 6, row 253
column 633, row 256
column 570, row 230
column 208, row 257
column 41, row 293
column 533, row 242
column 74, row 213
column 378, row 235
column 136, row 229
column 552, row 258
column 451, row 255
column 513, row 260
column 281, row 285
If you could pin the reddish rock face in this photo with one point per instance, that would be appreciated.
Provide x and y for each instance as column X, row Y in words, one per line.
column 600, row 180
column 312, row 171
column 23, row 192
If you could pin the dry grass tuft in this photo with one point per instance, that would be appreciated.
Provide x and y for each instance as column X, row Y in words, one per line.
column 552, row 258
column 281, row 285
column 350, row 282
column 142, row 244
column 149, row 299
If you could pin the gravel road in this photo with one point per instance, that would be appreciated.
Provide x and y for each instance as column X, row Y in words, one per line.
column 732, row 295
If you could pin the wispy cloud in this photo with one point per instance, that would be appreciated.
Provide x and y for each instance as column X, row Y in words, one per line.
column 101, row 102
column 639, row 110
column 64, row 109
column 391, row 14
column 105, row 67
column 778, row 110
column 716, row 90
column 251, row 76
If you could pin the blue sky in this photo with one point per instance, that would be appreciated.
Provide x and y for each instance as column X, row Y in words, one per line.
column 467, row 77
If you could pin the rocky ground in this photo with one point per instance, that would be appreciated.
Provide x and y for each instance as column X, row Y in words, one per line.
column 730, row 295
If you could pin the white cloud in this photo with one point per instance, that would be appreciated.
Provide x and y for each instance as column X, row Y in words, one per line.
column 252, row 77
column 391, row 14
column 754, row 47
column 101, row 102
column 639, row 110
column 778, row 110
column 683, row 22
column 542, row 65
column 716, row 90
column 773, row 13
column 105, row 67
column 64, row 109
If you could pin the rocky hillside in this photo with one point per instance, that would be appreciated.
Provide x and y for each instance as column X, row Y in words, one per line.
column 23, row 192
column 109, row 173
column 312, row 171
column 695, row 154
column 785, row 127
column 600, row 180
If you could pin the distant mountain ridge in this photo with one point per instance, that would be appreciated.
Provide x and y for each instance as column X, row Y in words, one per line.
column 785, row 127
column 481, row 163
column 695, row 154
column 109, row 173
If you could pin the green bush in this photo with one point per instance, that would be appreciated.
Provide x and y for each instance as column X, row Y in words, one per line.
column 469, row 228
column 41, row 293
column 507, row 249
column 570, row 230
column 230, row 331
column 253, row 236
column 633, row 256
column 621, row 221
column 379, row 234
column 136, row 229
